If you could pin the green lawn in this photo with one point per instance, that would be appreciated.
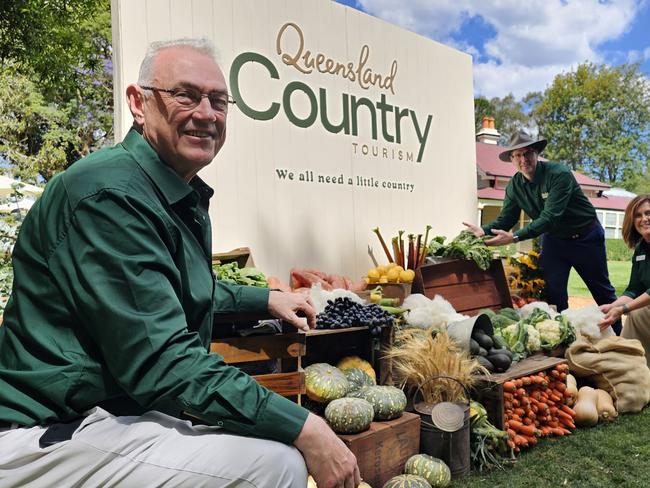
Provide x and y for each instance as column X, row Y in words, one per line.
column 613, row 454
column 619, row 275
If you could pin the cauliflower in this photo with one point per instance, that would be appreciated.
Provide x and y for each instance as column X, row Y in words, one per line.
column 550, row 333
column 533, row 344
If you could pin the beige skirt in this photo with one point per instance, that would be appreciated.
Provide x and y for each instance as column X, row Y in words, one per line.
column 637, row 326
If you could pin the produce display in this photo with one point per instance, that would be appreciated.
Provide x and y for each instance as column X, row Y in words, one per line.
column 232, row 273
column 343, row 313
column 434, row 470
column 535, row 406
column 388, row 402
column 407, row 257
column 407, row 481
column 349, row 415
column 324, row 382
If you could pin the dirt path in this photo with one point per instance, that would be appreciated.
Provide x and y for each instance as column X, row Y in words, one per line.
column 579, row 302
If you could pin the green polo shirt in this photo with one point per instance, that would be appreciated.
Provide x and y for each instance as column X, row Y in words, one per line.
column 640, row 274
column 554, row 200
column 113, row 302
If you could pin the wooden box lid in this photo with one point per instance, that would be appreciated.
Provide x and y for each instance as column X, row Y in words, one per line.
column 463, row 284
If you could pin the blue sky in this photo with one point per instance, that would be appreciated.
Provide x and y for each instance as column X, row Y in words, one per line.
column 519, row 46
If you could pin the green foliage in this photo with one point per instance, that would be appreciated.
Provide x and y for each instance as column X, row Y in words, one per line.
column 597, row 119
column 464, row 246
column 617, row 250
column 509, row 115
column 232, row 273
column 56, row 91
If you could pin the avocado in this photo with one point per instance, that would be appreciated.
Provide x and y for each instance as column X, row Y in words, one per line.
column 485, row 363
column 499, row 341
column 484, row 340
column 482, row 351
column 501, row 362
column 473, row 347
column 499, row 350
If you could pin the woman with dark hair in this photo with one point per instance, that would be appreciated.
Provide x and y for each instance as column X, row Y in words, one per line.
column 635, row 299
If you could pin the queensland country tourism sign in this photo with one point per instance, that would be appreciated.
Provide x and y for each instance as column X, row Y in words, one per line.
column 342, row 123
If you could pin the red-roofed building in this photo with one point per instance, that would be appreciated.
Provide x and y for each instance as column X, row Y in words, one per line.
column 494, row 175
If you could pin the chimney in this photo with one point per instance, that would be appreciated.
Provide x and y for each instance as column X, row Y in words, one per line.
column 488, row 133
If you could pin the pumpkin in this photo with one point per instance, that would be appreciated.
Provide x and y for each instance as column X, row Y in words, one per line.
column 605, row 406
column 407, row 481
column 356, row 362
column 349, row 415
column 585, row 407
column 358, row 378
column 434, row 470
column 312, row 484
column 324, row 382
column 388, row 402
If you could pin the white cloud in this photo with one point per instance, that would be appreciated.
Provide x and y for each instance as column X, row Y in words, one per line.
column 534, row 41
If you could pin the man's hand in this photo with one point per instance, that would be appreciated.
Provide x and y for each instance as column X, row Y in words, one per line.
column 474, row 229
column 501, row 238
column 285, row 305
column 328, row 459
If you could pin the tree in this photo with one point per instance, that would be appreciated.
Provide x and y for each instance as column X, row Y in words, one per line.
column 56, row 93
column 509, row 115
column 597, row 119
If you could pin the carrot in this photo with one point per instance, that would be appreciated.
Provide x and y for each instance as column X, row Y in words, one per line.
column 519, row 412
column 569, row 410
column 566, row 431
column 521, row 393
column 557, row 431
column 531, row 415
column 563, row 415
column 521, row 441
column 555, row 397
column 532, row 440
column 509, row 387
column 507, row 405
column 555, row 373
column 518, row 383
column 520, row 428
column 563, row 376
column 507, row 396
column 562, row 368
column 526, row 381
column 527, row 421
column 511, row 444
column 567, row 424
column 515, row 403
column 511, row 433
column 553, row 423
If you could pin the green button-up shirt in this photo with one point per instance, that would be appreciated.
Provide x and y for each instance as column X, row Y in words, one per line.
column 553, row 199
column 640, row 274
column 113, row 302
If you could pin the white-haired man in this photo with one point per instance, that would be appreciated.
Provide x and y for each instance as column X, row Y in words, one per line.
column 104, row 342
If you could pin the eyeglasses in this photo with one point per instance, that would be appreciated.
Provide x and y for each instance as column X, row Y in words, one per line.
column 191, row 97
column 525, row 155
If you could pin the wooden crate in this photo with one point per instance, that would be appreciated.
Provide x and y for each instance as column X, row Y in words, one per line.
column 382, row 450
column 237, row 350
column 489, row 388
column 331, row 345
column 463, row 284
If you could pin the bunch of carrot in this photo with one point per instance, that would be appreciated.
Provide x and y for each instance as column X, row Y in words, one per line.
column 535, row 406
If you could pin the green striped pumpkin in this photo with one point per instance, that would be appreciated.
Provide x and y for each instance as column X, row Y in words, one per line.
column 407, row 481
column 324, row 382
column 434, row 470
column 358, row 378
column 388, row 402
column 349, row 415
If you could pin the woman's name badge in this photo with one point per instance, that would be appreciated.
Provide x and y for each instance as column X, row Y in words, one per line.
column 641, row 257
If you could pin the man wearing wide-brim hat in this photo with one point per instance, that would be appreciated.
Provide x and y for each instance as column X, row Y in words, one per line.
column 571, row 235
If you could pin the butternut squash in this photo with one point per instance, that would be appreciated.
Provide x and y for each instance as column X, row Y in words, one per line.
column 571, row 392
column 605, row 406
column 586, row 407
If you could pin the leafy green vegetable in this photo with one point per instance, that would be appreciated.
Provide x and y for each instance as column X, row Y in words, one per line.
column 510, row 312
column 232, row 273
column 464, row 246
column 516, row 337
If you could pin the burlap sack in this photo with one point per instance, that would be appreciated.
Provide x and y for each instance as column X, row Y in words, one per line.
column 616, row 365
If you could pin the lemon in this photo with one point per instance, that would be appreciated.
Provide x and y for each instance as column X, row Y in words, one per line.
column 383, row 279
column 373, row 274
column 407, row 276
column 393, row 275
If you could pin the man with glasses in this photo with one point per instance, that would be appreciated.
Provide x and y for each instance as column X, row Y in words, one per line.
column 571, row 235
column 104, row 345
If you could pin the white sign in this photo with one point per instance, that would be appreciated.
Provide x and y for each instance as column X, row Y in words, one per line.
column 342, row 123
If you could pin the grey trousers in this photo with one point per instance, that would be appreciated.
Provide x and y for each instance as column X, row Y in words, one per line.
column 148, row 451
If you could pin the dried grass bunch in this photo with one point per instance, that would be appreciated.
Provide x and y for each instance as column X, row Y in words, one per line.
column 418, row 355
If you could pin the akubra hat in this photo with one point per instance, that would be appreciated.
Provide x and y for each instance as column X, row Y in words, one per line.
column 521, row 140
